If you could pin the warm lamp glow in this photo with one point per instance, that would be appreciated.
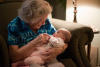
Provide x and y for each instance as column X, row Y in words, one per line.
column 69, row 14
column 84, row 14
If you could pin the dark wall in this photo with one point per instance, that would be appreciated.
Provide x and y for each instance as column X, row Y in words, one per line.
column 59, row 9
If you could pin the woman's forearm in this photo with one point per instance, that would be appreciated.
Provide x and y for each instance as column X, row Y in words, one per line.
column 17, row 53
column 21, row 53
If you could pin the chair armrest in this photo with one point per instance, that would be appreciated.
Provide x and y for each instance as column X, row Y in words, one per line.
column 4, row 57
column 81, row 35
column 74, row 28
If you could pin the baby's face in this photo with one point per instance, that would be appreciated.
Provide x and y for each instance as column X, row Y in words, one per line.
column 59, row 34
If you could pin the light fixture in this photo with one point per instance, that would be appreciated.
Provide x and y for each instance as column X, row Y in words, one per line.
column 75, row 11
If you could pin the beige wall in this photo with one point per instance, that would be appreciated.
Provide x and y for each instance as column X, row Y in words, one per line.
column 88, row 14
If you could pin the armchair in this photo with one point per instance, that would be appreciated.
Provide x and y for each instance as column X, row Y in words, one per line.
column 74, row 55
column 81, row 36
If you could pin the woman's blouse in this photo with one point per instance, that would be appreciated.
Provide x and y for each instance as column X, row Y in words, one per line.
column 19, row 33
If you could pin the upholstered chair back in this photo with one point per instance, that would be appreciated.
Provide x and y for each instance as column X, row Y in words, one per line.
column 8, row 10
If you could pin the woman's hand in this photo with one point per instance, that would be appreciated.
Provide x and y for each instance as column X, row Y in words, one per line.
column 53, row 53
column 50, row 54
column 44, row 38
column 19, row 64
column 41, row 39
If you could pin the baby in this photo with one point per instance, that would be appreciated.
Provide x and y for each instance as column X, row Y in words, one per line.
column 57, row 41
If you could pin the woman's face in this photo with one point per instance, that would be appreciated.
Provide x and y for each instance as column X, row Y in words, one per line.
column 39, row 23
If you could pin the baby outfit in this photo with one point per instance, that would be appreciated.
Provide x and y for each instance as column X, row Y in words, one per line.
column 54, row 42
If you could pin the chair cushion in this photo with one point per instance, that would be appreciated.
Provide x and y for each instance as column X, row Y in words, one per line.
column 4, row 58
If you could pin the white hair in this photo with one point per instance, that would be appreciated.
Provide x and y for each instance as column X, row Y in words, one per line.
column 32, row 10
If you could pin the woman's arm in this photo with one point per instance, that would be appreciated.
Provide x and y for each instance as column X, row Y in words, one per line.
column 17, row 53
column 53, row 53
column 57, row 51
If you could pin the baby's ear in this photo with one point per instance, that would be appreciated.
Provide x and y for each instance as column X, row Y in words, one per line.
column 68, row 38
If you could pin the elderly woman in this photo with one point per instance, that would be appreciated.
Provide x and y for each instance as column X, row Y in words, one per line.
column 23, row 30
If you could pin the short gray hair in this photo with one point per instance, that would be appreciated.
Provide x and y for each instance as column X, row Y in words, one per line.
column 34, row 9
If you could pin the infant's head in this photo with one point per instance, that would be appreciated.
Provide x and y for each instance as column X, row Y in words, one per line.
column 64, row 34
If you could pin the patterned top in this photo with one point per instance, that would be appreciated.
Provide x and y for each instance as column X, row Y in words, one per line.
column 19, row 33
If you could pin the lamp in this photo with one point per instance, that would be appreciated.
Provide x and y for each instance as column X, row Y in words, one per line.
column 75, row 11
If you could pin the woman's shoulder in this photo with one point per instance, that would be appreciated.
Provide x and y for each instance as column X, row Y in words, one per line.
column 14, row 24
column 14, row 21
